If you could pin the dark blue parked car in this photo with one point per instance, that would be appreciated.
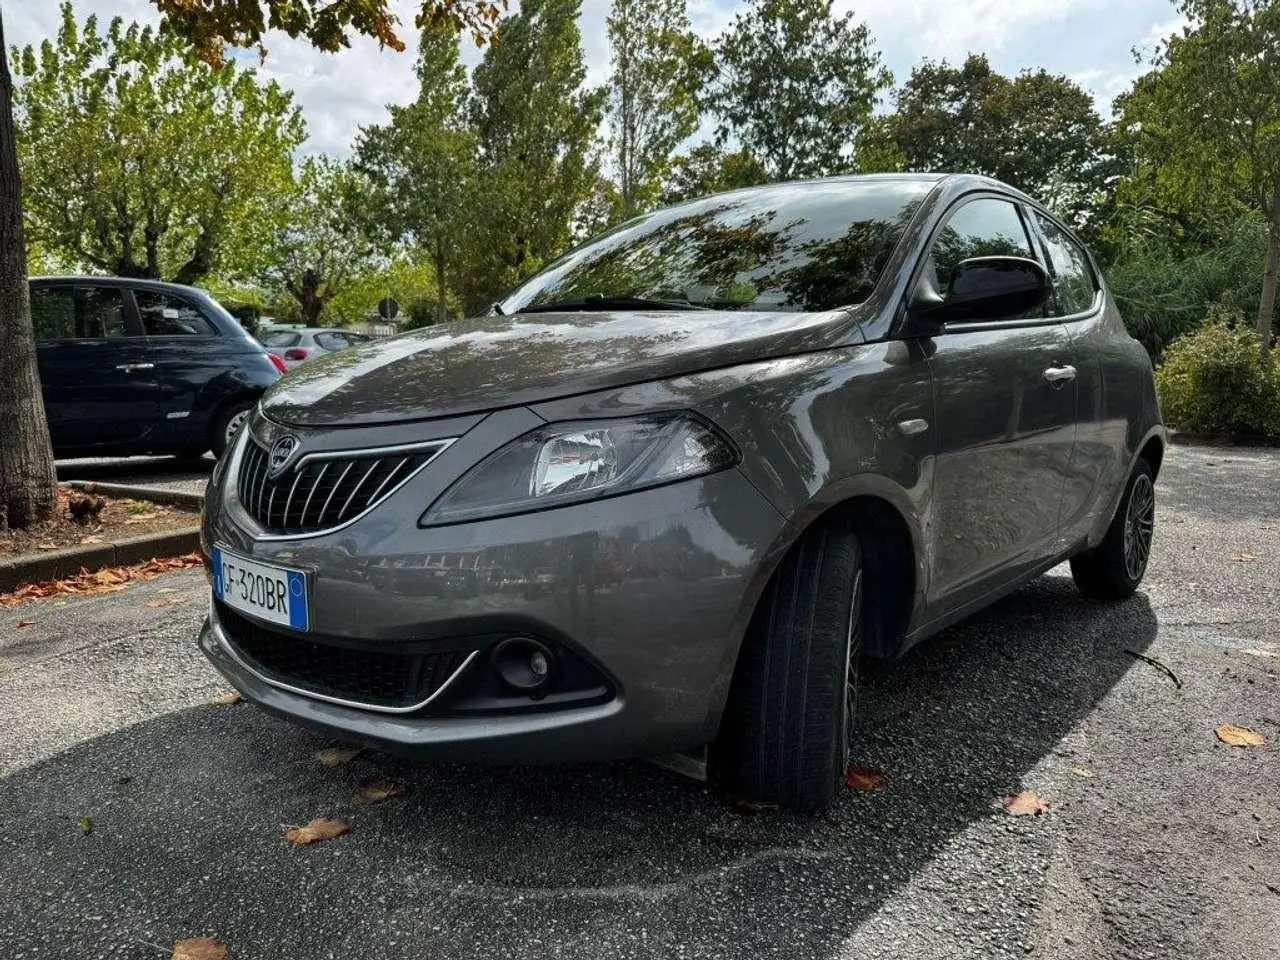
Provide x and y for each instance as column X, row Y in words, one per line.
column 140, row 367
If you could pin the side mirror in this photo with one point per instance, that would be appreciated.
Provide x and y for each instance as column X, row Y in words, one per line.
column 982, row 288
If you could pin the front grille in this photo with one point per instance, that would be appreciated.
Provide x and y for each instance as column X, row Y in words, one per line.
column 377, row 678
column 319, row 494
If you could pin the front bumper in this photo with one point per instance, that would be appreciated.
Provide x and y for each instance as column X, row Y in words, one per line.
column 652, row 590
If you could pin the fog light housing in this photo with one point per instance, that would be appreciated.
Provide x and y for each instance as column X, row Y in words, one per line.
column 523, row 663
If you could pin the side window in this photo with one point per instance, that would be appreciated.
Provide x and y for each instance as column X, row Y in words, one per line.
column 981, row 228
column 1073, row 283
column 164, row 315
column 331, row 340
column 77, row 313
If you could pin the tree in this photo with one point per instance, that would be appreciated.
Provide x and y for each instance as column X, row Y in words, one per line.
column 1207, row 118
column 659, row 67
column 1037, row 132
column 708, row 169
column 141, row 161
column 323, row 244
column 537, row 126
column 27, row 478
column 423, row 165
column 796, row 85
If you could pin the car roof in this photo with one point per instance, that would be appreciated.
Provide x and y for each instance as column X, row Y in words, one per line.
column 953, row 183
column 137, row 283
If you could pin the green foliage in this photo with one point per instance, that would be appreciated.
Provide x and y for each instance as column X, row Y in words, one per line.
column 423, row 165
column 425, row 312
column 405, row 278
column 1215, row 381
column 708, row 169
column 1164, row 289
column 537, row 126
column 797, row 84
column 139, row 161
column 659, row 68
column 323, row 244
column 1037, row 132
column 1206, row 119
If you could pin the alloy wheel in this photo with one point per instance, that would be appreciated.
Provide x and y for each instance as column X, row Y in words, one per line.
column 1139, row 527
column 234, row 424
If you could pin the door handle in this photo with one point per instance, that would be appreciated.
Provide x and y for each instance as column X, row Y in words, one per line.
column 130, row 367
column 1057, row 376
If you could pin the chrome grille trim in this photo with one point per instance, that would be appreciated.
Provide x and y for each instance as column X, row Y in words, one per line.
column 256, row 493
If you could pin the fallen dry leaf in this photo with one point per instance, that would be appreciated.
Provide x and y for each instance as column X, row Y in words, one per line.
column 229, row 699
column 46, row 546
column 1236, row 736
column 322, row 828
column 1243, row 557
column 86, row 826
column 1026, row 803
column 337, row 756
column 748, row 807
column 375, row 791
column 167, row 602
column 83, row 583
column 200, row 948
column 864, row 778
column 25, row 623
column 1082, row 772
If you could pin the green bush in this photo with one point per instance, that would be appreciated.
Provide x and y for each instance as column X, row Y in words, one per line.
column 1163, row 291
column 1215, row 380
column 423, row 312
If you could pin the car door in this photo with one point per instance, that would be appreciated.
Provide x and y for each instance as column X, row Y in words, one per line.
column 187, row 353
column 98, row 392
column 1004, row 421
column 1077, row 299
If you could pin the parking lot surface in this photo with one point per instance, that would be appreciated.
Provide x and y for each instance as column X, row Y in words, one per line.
column 1161, row 841
column 170, row 473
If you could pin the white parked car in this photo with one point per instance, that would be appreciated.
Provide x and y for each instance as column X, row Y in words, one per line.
column 295, row 345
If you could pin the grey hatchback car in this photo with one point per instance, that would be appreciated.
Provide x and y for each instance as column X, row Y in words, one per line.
column 665, row 496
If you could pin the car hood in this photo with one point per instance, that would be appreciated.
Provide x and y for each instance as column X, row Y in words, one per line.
column 492, row 362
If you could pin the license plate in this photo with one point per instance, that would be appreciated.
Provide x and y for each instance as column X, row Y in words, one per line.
column 275, row 594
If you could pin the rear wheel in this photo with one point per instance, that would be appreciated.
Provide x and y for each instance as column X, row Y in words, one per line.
column 1113, row 569
column 791, row 712
column 228, row 423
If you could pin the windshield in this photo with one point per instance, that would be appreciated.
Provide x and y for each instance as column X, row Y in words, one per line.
column 794, row 247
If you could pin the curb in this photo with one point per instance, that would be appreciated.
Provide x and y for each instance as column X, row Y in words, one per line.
column 171, row 498
column 57, row 564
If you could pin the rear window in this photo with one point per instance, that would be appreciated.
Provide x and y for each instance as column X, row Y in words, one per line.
column 280, row 338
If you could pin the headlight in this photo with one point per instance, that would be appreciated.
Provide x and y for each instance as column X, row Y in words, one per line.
column 570, row 462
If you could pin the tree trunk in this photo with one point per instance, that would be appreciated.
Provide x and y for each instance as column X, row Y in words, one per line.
column 310, row 303
column 1267, row 305
column 441, row 316
column 27, row 479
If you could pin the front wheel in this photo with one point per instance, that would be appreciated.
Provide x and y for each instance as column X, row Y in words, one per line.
column 227, row 424
column 1113, row 569
column 790, row 717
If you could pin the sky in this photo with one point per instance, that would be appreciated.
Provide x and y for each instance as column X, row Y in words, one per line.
column 1089, row 41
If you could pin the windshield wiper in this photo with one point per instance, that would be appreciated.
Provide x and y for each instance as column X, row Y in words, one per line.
column 602, row 301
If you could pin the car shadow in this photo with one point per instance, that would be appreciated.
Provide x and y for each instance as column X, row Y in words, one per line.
column 187, row 813
column 135, row 470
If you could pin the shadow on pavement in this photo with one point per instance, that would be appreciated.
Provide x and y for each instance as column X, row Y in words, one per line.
column 137, row 470
column 485, row 862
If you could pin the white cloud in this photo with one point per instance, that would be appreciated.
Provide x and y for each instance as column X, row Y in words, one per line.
column 1087, row 39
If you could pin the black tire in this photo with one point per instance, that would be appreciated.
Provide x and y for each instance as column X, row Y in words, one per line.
column 1113, row 569
column 221, row 434
column 786, row 733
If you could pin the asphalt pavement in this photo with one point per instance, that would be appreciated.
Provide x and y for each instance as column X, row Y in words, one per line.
column 1161, row 842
